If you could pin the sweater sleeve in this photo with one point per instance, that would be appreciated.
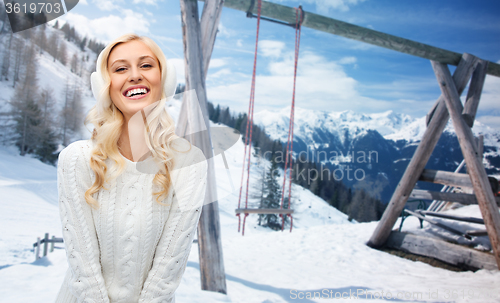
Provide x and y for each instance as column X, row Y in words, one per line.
column 173, row 249
column 86, row 282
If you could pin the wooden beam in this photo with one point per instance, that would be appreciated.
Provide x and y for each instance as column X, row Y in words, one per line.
column 436, row 205
column 351, row 31
column 209, row 24
column 474, row 93
column 194, row 122
column 475, row 168
column 264, row 211
column 429, row 115
column 465, row 199
column 451, row 217
column 441, row 250
column 477, row 233
column 420, row 157
column 479, row 144
column 440, row 225
column 446, row 178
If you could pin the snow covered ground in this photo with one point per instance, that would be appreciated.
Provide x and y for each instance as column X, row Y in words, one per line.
column 324, row 256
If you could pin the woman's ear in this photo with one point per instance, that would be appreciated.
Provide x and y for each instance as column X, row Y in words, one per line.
column 171, row 80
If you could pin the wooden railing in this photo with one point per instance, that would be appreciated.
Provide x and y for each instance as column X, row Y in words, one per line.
column 45, row 241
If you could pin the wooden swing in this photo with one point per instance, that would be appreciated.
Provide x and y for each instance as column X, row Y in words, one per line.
column 462, row 117
column 282, row 212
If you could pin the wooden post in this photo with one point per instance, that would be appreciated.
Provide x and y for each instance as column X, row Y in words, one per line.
column 451, row 217
column 52, row 243
column 480, row 144
column 45, row 244
column 441, row 250
column 475, row 168
column 436, row 205
column 351, row 31
column 424, row 150
column 474, row 93
column 465, row 199
column 438, row 224
column 446, row 178
column 209, row 21
column 429, row 115
column 212, row 272
column 209, row 24
column 37, row 250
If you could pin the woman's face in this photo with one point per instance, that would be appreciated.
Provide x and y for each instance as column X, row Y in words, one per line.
column 135, row 77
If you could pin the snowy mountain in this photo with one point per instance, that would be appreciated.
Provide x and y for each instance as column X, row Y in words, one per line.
column 374, row 149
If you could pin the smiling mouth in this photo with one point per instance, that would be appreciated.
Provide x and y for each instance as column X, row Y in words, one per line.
column 136, row 93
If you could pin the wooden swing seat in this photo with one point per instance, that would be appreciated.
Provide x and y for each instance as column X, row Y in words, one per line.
column 264, row 211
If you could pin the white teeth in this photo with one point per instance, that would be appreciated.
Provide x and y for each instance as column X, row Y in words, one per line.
column 137, row 91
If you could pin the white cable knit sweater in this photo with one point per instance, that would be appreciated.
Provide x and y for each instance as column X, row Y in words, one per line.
column 130, row 249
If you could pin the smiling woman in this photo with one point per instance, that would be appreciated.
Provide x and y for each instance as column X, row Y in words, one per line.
column 121, row 245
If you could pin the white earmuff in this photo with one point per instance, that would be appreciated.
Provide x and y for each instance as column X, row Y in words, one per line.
column 171, row 80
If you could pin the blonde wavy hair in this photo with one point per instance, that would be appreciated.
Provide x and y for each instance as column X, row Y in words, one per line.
column 108, row 122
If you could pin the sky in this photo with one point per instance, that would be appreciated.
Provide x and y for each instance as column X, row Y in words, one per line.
column 334, row 73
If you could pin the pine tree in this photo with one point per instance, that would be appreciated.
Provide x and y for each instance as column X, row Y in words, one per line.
column 293, row 198
column 26, row 113
column 27, row 118
column 179, row 90
column 272, row 195
column 5, row 22
column 53, row 45
column 362, row 209
column 45, row 151
column 41, row 39
column 334, row 200
column 83, row 44
column 62, row 55
column 257, row 191
column 31, row 111
column 6, row 59
column 18, row 56
column 216, row 115
column 71, row 114
column 74, row 64
column 77, row 111
column 237, row 124
column 260, row 190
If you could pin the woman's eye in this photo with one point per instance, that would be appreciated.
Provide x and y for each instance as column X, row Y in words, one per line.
column 120, row 69
column 147, row 66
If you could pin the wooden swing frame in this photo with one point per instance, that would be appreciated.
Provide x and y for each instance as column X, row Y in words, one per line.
column 199, row 39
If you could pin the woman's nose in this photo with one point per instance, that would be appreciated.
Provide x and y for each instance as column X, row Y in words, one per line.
column 135, row 74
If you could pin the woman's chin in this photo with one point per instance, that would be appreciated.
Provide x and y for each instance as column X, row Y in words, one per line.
column 133, row 108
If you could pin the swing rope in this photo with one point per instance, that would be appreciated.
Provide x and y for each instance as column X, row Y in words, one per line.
column 289, row 145
column 249, row 125
column 249, row 130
